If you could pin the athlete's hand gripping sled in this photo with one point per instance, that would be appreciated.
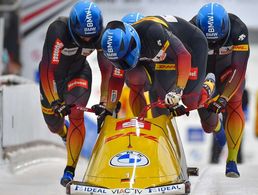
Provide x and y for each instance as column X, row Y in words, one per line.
column 136, row 156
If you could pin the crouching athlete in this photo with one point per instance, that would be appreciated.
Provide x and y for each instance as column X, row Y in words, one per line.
column 228, row 55
column 164, row 55
column 66, row 77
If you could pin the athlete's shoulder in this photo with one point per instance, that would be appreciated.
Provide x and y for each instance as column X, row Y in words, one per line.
column 59, row 24
column 149, row 21
column 149, row 26
column 193, row 20
column 237, row 25
column 58, row 27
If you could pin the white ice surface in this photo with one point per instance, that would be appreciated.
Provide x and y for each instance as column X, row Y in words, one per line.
column 39, row 179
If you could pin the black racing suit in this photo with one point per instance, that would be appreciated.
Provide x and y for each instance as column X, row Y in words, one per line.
column 66, row 76
column 227, row 59
column 173, row 54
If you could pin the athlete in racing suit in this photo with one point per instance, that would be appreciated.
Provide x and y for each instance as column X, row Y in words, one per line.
column 170, row 54
column 227, row 59
column 66, row 77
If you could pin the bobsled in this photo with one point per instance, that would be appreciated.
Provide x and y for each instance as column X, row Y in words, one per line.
column 136, row 156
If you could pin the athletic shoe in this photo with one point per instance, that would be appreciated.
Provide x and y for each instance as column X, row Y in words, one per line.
column 231, row 169
column 67, row 177
column 220, row 136
column 209, row 83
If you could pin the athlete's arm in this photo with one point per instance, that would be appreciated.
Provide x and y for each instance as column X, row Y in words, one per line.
column 112, row 82
column 183, row 65
column 240, row 57
column 50, row 60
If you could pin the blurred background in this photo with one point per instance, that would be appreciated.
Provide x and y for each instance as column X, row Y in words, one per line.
column 23, row 26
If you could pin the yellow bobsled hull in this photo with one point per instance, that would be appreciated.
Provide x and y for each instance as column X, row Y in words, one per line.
column 133, row 154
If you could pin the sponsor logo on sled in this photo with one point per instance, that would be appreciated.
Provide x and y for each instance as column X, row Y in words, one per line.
column 89, row 189
column 127, row 191
column 177, row 188
column 165, row 189
column 129, row 159
column 132, row 123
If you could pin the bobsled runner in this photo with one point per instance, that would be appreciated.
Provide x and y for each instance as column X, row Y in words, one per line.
column 136, row 156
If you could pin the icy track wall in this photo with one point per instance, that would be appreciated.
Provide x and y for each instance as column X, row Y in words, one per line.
column 21, row 120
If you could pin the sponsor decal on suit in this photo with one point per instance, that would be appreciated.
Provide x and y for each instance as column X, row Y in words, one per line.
column 77, row 83
column 69, row 51
column 243, row 47
column 86, row 51
column 193, row 74
column 118, row 73
column 165, row 67
column 56, row 53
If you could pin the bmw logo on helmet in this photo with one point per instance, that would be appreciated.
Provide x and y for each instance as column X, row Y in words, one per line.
column 90, row 27
column 121, row 45
column 85, row 20
column 214, row 21
column 113, row 41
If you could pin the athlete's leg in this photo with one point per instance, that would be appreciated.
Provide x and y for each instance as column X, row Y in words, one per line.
column 54, row 122
column 234, row 124
column 209, row 120
column 78, row 93
column 137, row 80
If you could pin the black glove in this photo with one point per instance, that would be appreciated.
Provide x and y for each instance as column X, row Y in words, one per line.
column 218, row 106
column 101, row 112
column 60, row 108
column 178, row 110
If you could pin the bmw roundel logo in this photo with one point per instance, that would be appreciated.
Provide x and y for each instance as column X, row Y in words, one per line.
column 129, row 159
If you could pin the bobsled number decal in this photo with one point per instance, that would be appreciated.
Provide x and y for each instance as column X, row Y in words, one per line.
column 132, row 123
column 129, row 159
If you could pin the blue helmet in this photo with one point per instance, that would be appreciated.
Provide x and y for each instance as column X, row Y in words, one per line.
column 132, row 17
column 121, row 45
column 214, row 21
column 85, row 20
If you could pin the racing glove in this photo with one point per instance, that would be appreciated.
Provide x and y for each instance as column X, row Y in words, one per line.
column 218, row 106
column 178, row 110
column 101, row 111
column 60, row 108
column 173, row 97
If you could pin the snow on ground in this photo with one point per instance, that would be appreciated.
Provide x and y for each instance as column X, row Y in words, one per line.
column 39, row 179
